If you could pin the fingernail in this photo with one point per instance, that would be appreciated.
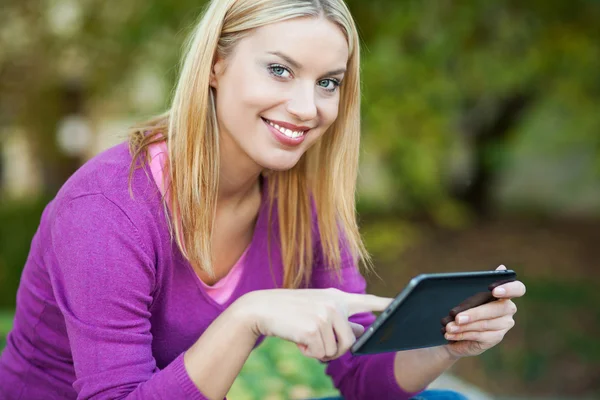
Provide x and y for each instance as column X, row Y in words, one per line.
column 500, row 291
column 453, row 328
column 448, row 336
column 463, row 319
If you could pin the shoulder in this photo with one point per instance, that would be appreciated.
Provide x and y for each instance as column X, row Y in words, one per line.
column 107, row 173
column 107, row 177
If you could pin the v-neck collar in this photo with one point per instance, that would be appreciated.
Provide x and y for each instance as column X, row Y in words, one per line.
column 248, row 257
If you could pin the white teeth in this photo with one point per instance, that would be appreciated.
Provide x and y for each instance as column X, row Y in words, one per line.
column 286, row 132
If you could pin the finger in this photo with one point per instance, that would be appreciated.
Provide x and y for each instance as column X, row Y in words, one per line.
column 472, row 302
column 344, row 330
column 313, row 343
column 490, row 337
column 358, row 303
column 330, row 345
column 492, row 310
column 496, row 324
column 501, row 268
column 510, row 290
column 357, row 329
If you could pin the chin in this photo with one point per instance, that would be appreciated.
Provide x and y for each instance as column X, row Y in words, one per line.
column 279, row 163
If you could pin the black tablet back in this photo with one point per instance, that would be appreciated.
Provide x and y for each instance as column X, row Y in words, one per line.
column 415, row 317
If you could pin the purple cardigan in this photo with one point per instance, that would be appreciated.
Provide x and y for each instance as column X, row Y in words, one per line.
column 107, row 304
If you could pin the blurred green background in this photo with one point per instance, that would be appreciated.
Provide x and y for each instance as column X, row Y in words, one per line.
column 481, row 146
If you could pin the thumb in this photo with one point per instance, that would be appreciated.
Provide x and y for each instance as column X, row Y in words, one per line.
column 501, row 268
column 358, row 303
column 357, row 329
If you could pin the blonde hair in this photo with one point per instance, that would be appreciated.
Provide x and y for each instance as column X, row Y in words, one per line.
column 327, row 172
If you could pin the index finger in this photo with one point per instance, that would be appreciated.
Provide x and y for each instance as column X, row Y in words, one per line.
column 358, row 303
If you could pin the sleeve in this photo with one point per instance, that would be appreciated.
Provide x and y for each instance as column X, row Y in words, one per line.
column 103, row 280
column 365, row 376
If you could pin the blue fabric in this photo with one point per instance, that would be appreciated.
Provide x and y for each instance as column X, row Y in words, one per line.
column 425, row 395
column 439, row 395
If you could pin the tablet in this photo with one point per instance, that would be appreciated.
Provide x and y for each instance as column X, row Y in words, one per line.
column 415, row 318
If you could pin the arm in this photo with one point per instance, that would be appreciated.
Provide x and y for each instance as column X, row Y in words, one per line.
column 103, row 277
column 217, row 357
column 415, row 369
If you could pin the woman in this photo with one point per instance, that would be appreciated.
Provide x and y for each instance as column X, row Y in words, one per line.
column 160, row 265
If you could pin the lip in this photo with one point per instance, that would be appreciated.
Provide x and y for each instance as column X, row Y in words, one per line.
column 283, row 139
column 289, row 126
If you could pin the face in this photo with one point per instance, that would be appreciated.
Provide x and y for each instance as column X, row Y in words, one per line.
column 278, row 92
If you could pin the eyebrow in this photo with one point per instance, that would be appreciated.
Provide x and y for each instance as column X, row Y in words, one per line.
column 297, row 65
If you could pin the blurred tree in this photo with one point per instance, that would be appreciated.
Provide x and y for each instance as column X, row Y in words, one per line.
column 437, row 75
column 441, row 73
column 484, row 136
column 64, row 57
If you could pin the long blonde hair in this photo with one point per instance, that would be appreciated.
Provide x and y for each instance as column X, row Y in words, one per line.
column 327, row 172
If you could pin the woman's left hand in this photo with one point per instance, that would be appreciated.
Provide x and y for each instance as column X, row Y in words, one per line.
column 475, row 330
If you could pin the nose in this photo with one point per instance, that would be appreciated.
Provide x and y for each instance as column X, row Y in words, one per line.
column 302, row 103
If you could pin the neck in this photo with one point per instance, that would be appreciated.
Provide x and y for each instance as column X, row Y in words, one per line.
column 238, row 174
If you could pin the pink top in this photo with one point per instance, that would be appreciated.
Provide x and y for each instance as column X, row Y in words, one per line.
column 221, row 290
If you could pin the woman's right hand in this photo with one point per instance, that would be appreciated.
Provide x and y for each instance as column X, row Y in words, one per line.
column 315, row 319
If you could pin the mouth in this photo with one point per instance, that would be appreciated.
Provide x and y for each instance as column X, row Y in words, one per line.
column 292, row 134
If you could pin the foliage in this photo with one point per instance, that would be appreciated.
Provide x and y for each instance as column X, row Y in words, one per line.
column 6, row 319
column 18, row 223
column 436, row 76
column 277, row 370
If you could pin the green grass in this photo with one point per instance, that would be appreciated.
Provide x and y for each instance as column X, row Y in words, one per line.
column 6, row 320
column 277, row 370
column 18, row 223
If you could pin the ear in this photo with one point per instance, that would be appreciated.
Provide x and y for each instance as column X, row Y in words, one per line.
column 216, row 72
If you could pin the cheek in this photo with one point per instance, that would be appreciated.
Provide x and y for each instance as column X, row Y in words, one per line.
column 329, row 111
column 240, row 99
column 249, row 94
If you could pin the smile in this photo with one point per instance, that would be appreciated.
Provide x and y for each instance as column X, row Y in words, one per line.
column 287, row 132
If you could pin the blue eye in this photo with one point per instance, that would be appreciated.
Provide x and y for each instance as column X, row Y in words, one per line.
column 279, row 70
column 330, row 85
